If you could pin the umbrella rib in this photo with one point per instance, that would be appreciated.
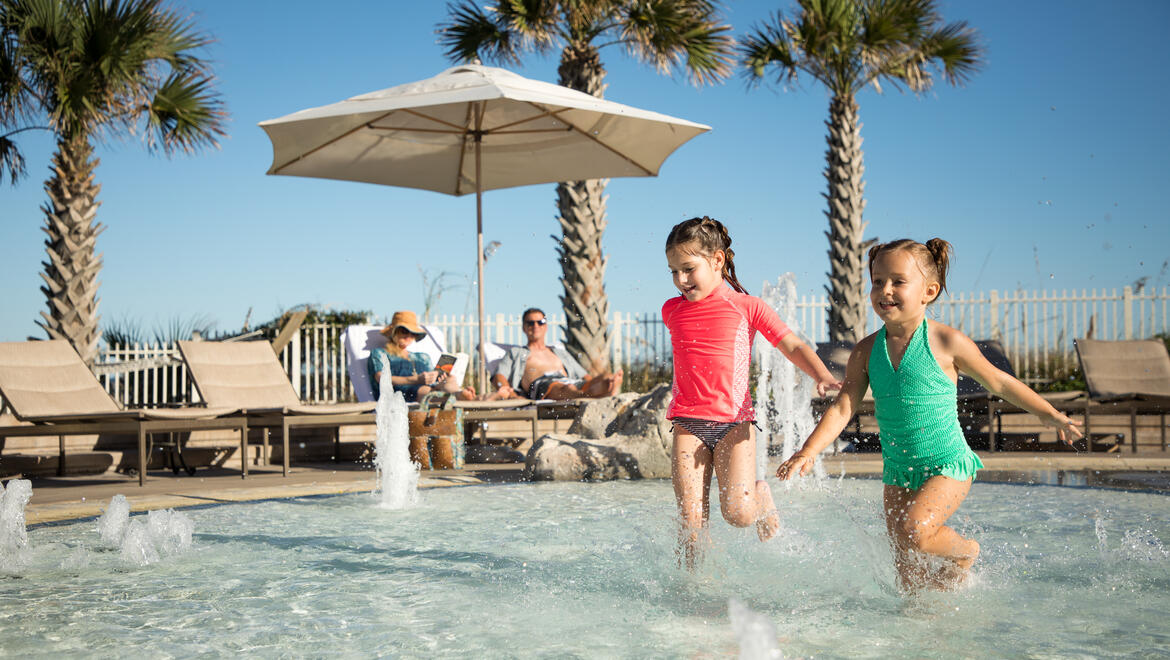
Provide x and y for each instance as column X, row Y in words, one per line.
column 602, row 144
column 321, row 146
column 406, row 129
column 463, row 151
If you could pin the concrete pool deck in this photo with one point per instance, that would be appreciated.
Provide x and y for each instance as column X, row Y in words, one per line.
column 71, row 498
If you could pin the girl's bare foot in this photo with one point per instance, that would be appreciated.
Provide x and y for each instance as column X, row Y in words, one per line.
column 956, row 572
column 768, row 524
column 972, row 555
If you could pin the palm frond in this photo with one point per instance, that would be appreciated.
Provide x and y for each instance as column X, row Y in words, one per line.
column 956, row 47
column 472, row 34
column 113, row 67
column 767, row 45
column 537, row 22
column 183, row 327
column 680, row 35
column 185, row 114
column 11, row 161
column 124, row 331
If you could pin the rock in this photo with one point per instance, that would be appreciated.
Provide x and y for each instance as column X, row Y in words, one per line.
column 595, row 415
column 635, row 443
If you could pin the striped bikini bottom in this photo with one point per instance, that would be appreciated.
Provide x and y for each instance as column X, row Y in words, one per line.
column 706, row 430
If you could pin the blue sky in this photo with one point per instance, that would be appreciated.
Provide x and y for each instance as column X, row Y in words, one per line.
column 1046, row 171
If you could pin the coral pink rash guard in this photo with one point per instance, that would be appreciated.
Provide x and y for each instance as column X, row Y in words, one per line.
column 712, row 344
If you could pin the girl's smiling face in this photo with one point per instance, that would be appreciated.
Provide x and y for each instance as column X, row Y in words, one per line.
column 695, row 275
column 900, row 290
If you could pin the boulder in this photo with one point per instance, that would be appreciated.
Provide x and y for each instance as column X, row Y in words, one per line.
column 620, row 437
column 595, row 415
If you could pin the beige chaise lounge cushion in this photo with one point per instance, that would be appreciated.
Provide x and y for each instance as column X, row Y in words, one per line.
column 48, row 379
column 1125, row 369
column 247, row 375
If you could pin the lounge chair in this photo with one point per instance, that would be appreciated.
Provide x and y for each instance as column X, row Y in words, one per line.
column 47, row 385
column 1129, row 376
column 358, row 340
column 835, row 355
column 247, row 375
column 978, row 407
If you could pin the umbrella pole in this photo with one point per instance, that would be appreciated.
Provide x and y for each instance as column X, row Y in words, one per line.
column 482, row 371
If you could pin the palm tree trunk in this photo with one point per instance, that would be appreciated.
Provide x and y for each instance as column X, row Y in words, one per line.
column 70, row 274
column 582, row 218
column 846, row 229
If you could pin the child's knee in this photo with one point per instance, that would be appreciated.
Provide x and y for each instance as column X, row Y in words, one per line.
column 913, row 532
column 739, row 513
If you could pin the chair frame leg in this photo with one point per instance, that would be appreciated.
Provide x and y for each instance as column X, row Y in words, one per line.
column 141, row 455
column 1133, row 442
column 284, row 440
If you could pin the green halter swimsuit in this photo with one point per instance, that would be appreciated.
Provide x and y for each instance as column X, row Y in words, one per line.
column 917, row 416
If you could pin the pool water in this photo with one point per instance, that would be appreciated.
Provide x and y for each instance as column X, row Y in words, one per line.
column 588, row 570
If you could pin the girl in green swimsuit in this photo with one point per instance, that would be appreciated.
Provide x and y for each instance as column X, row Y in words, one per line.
column 912, row 365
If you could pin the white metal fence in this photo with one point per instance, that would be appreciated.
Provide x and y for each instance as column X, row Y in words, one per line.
column 1036, row 328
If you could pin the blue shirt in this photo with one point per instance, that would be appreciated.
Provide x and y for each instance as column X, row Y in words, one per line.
column 412, row 364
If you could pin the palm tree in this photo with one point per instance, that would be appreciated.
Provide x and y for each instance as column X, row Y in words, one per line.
column 846, row 45
column 682, row 35
column 86, row 70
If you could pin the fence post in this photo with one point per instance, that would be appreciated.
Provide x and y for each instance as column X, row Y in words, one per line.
column 994, row 301
column 1127, row 309
column 616, row 353
column 295, row 347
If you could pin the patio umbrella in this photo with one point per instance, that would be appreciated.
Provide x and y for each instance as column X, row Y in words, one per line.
column 474, row 128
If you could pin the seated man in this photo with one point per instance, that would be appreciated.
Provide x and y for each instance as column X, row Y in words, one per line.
column 538, row 371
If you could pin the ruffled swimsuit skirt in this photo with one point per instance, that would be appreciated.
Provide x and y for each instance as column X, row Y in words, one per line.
column 917, row 415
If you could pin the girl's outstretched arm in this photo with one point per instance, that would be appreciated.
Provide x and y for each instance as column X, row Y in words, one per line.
column 969, row 359
column 807, row 360
column 837, row 417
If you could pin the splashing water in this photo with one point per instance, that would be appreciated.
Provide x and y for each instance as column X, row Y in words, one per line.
column 111, row 526
column 756, row 632
column 785, row 392
column 137, row 546
column 166, row 533
column 13, row 534
column 397, row 474
column 588, row 570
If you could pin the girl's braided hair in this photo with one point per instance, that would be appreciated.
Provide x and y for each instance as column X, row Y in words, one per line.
column 704, row 237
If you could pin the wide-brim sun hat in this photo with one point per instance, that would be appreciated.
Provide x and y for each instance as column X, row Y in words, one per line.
column 406, row 320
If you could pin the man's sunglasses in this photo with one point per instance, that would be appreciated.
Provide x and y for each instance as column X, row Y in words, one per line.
column 538, row 322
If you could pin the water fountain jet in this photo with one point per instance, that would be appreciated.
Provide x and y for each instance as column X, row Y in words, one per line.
column 397, row 474
column 785, row 392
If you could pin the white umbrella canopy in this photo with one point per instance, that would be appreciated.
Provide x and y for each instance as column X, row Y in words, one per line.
column 474, row 128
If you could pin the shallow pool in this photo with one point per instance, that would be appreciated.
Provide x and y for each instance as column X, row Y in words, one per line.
column 588, row 570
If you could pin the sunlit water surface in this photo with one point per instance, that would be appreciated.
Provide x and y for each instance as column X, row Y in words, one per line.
column 588, row 570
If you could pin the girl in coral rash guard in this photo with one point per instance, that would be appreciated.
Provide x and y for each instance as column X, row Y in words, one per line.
column 712, row 325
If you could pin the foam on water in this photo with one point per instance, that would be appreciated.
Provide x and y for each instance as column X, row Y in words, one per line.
column 755, row 632
column 397, row 474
